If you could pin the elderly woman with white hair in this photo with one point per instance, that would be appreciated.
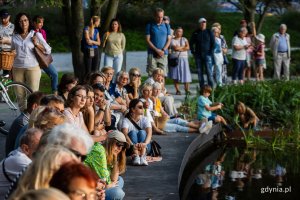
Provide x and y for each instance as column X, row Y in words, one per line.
column 175, row 124
column 118, row 91
column 239, row 47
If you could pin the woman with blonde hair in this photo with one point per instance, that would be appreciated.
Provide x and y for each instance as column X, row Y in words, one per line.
column 134, row 83
column 109, row 161
column 40, row 171
column 91, row 42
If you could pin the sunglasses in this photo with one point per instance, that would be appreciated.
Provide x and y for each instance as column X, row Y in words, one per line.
column 136, row 75
column 78, row 155
column 120, row 144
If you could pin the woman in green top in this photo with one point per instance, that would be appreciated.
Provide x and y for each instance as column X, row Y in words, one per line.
column 114, row 45
column 109, row 161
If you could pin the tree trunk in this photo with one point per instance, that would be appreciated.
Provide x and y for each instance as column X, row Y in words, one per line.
column 112, row 10
column 250, row 9
column 66, row 9
column 76, row 35
column 96, row 6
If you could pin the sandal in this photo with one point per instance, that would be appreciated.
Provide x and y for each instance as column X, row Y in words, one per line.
column 178, row 92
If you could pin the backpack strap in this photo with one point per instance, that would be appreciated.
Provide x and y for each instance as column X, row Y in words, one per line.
column 4, row 171
column 134, row 124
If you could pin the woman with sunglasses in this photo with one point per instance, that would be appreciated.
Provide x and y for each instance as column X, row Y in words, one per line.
column 134, row 83
column 138, row 132
column 109, row 161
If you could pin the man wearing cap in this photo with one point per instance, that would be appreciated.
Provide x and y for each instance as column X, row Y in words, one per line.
column 158, row 38
column 6, row 32
column 202, row 44
column 281, row 49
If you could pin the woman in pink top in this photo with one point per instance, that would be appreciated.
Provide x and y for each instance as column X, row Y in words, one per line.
column 76, row 101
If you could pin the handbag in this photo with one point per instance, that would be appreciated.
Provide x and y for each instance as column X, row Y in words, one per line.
column 173, row 62
column 155, row 149
column 43, row 59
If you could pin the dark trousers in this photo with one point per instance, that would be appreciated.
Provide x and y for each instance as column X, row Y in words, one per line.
column 91, row 63
column 201, row 62
column 238, row 69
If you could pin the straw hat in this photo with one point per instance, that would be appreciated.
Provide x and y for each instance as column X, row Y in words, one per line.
column 260, row 37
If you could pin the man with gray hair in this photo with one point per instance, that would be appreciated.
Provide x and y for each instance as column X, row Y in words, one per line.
column 76, row 139
column 158, row 38
column 17, row 160
column 281, row 49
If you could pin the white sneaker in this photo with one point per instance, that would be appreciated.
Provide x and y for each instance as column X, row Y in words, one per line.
column 202, row 128
column 136, row 160
column 143, row 161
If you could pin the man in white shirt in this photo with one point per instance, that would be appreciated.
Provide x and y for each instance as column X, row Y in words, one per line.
column 6, row 32
column 18, row 159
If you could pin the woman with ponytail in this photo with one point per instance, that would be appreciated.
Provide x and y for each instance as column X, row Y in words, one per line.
column 90, row 44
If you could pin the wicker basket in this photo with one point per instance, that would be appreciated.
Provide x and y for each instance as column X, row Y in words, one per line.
column 7, row 59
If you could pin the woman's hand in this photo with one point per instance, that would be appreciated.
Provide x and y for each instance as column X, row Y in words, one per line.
column 140, row 145
column 102, row 104
column 89, row 42
column 34, row 40
column 112, row 184
column 100, row 189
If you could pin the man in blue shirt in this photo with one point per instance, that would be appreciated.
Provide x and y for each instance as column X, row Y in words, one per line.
column 202, row 44
column 281, row 49
column 158, row 38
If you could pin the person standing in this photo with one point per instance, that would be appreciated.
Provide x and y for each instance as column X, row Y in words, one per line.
column 26, row 67
column 181, row 72
column 239, row 47
column 202, row 45
column 114, row 45
column 90, row 44
column 38, row 23
column 6, row 32
column 281, row 49
column 158, row 38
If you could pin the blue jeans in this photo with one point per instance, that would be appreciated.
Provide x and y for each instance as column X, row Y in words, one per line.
column 115, row 61
column 206, row 61
column 139, row 137
column 52, row 73
column 176, row 125
column 238, row 69
column 115, row 193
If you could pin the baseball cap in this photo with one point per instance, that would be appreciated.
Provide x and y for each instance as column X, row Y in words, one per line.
column 119, row 136
column 4, row 13
column 202, row 20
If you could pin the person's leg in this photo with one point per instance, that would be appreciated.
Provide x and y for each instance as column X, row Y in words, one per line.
column 176, row 85
column 53, row 75
column 261, row 72
column 235, row 70
column 133, row 136
column 118, row 61
column 219, row 74
column 114, row 193
column 141, row 136
column 108, row 60
column 199, row 66
column 241, row 70
column 95, row 61
column 286, row 66
column 33, row 77
column 87, row 62
column 163, row 64
column 277, row 66
column 19, row 76
column 151, row 64
column 168, row 104
column 209, row 70
column 187, row 87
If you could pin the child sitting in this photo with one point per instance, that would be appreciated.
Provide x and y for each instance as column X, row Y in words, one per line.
column 205, row 107
column 246, row 115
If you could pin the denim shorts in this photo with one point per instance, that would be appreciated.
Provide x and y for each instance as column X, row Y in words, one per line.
column 259, row 62
column 212, row 117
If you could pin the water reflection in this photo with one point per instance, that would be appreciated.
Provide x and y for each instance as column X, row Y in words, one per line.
column 240, row 173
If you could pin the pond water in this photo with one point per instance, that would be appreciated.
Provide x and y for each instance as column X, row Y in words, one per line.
column 234, row 172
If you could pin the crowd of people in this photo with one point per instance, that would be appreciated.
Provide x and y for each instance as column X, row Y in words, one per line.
column 78, row 138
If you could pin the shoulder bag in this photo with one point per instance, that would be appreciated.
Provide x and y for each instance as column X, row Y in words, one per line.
column 43, row 59
column 155, row 147
column 173, row 62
